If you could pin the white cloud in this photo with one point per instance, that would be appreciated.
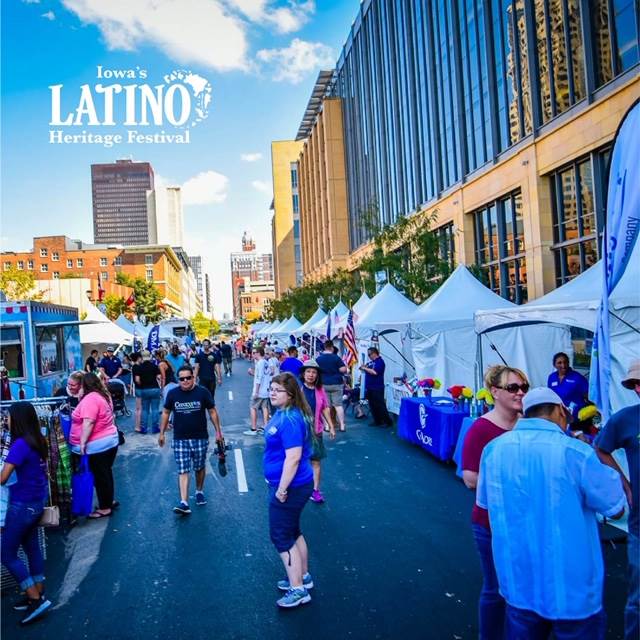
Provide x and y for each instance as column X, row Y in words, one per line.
column 198, row 31
column 208, row 187
column 297, row 60
column 49, row 15
column 251, row 157
column 262, row 185
column 284, row 19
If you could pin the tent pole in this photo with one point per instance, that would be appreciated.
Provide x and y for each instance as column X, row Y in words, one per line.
column 479, row 364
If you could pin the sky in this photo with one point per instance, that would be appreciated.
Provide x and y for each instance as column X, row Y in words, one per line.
column 260, row 57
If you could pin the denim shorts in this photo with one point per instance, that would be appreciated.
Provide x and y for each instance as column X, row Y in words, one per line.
column 190, row 454
column 284, row 517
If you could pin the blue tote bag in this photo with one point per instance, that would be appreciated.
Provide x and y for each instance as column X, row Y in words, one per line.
column 82, row 489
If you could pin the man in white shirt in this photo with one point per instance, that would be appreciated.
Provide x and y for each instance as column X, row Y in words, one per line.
column 260, row 393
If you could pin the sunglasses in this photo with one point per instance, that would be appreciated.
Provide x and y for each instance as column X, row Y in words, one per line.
column 514, row 388
column 185, row 378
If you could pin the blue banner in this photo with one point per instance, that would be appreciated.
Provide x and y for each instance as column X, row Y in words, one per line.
column 621, row 233
column 153, row 341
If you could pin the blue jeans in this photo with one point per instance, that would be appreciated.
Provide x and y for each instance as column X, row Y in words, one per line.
column 528, row 625
column 150, row 402
column 631, row 623
column 21, row 529
column 491, row 605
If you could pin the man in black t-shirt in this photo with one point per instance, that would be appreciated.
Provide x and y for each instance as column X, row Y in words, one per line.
column 208, row 367
column 190, row 404
column 227, row 357
column 91, row 363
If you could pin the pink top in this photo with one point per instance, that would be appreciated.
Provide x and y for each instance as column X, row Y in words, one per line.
column 322, row 403
column 104, row 434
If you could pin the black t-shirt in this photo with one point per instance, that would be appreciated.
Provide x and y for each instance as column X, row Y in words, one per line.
column 225, row 350
column 330, row 365
column 189, row 412
column 92, row 363
column 147, row 371
column 208, row 362
column 310, row 395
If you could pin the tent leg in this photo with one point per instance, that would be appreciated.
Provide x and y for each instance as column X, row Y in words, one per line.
column 479, row 364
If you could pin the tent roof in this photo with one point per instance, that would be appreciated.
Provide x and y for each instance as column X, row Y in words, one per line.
column 319, row 315
column 288, row 326
column 361, row 305
column 387, row 306
column 124, row 323
column 140, row 329
column 339, row 315
column 102, row 330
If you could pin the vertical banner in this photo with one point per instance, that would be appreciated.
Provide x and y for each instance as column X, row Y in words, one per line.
column 153, row 341
column 620, row 236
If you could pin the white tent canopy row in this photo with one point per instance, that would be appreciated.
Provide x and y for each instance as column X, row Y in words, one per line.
column 339, row 315
column 102, row 331
column 318, row 317
column 286, row 329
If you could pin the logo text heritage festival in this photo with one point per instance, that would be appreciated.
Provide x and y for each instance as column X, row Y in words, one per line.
column 145, row 114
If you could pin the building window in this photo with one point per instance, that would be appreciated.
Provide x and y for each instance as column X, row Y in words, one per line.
column 499, row 242
column 118, row 261
column 7, row 266
column 579, row 194
column 30, row 265
column 103, row 262
column 447, row 248
column 149, row 275
column 69, row 263
column 55, row 256
column 296, row 203
column 12, row 351
column 105, row 275
column 43, row 252
column 20, row 265
column 294, row 175
column 50, row 349
column 56, row 275
column 79, row 262
column 44, row 268
column 148, row 258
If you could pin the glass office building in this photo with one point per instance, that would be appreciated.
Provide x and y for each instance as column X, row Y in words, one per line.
column 436, row 92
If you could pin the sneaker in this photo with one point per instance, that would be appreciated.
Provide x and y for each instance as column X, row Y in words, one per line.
column 182, row 508
column 35, row 609
column 260, row 431
column 307, row 583
column 200, row 499
column 316, row 496
column 250, row 432
column 23, row 605
column 293, row 598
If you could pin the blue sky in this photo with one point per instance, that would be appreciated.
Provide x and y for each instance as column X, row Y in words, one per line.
column 261, row 58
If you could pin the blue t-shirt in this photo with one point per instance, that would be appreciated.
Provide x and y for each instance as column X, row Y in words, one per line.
column 175, row 361
column 190, row 410
column 377, row 381
column 330, row 365
column 208, row 362
column 31, row 471
column 623, row 432
column 573, row 389
column 110, row 365
column 287, row 429
column 291, row 365
column 310, row 395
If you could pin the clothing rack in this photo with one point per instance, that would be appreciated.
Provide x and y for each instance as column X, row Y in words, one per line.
column 36, row 401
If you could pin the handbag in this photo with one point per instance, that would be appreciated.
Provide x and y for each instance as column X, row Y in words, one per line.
column 121, row 438
column 82, row 489
column 51, row 514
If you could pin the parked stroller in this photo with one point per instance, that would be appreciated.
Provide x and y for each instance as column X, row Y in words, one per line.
column 118, row 391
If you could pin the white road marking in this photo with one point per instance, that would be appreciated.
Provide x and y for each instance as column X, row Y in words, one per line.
column 242, row 478
column 230, row 395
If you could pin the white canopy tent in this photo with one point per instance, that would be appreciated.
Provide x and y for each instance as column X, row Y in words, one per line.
column 318, row 316
column 361, row 305
column 269, row 331
column 285, row 330
column 140, row 330
column 124, row 323
column 263, row 331
column 338, row 314
column 256, row 327
column 102, row 331
column 445, row 344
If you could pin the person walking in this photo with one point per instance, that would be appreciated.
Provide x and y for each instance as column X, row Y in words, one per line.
column 227, row 358
column 318, row 402
column 507, row 386
column 333, row 369
column 190, row 403
column 167, row 374
column 260, row 392
column 208, row 367
column 288, row 472
column 374, row 389
column 291, row 364
column 537, row 485
column 94, row 433
column 175, row 358
column 148, row 381
column 27, row 456
column 622, row 431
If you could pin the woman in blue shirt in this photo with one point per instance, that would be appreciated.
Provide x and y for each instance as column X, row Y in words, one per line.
column 288, row 444
column 570, row 385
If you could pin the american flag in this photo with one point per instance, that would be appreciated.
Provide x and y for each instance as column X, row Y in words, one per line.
column 351, row 352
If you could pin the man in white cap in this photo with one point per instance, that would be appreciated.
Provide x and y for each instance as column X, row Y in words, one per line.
column 622, row 431
column 542, row 489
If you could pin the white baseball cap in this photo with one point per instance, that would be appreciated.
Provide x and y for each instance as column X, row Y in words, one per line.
column 541, row 395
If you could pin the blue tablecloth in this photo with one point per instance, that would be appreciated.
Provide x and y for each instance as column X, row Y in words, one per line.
column 432, row 423
column 457, row 454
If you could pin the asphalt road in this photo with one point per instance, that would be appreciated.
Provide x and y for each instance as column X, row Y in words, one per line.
column 391, row 551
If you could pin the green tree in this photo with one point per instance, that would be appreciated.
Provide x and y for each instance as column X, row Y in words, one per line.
column 203, row 326
column 19, row 285
column 147, row 295
column 115, row 306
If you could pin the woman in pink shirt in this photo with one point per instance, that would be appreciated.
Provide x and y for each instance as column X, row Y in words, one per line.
column 94, row 433
column 507, row 386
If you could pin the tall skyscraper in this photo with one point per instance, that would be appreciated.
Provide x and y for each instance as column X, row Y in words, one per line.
column 202, row 281
column 169, row 216
column 123, row 202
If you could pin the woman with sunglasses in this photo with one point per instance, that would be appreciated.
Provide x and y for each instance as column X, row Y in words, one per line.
column 507, row 386
column 288, row 445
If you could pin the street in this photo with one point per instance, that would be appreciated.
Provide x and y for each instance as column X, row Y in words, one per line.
column 391, row 550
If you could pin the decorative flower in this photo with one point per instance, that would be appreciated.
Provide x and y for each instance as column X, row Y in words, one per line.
column 430, row 383
column 467, row 393
column 485, row 395
column 456, row 391
column 588, row 412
